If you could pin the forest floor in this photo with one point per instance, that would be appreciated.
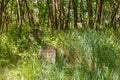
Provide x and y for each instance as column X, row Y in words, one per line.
column 91, row 55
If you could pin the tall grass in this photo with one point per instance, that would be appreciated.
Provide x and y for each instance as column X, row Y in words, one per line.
column 82, row 55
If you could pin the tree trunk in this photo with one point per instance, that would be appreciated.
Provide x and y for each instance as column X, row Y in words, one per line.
column 113, row 16
column 1, row 13
column 30, row 17
column 54, row 14
column 96, row 13
column 3, row 4
column 58, row 14
column 81, row 10
column 90, row 14
column 48, row 8
column 19, row 17
column 63, row 14
column 0, row 18
column 68, row 16
column 75, row 13
column 100, row 14
column 50, row 20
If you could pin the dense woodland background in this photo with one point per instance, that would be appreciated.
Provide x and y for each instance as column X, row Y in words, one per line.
column 86, row 34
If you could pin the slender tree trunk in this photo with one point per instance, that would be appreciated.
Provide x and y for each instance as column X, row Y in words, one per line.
column 1, row 12
column 90, row 14
column 81, row 10
column 0, row 19
column 48, row 8
column 63, row 14
column 58, row 13
column 114, row 13
column 31, row 20
column 100, row 14
column 19, row 17
column 96, row 13
column 49, row 14
column 75, row 13
column 3, row 4
column 68, row 16
column 11, row 11
column 54, row 14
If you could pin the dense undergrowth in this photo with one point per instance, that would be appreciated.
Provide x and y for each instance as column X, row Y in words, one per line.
column 82, row 55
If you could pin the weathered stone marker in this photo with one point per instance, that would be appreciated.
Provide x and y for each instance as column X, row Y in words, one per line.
column 48, row 52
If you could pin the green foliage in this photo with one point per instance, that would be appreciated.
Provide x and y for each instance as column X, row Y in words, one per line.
column 82, row 55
